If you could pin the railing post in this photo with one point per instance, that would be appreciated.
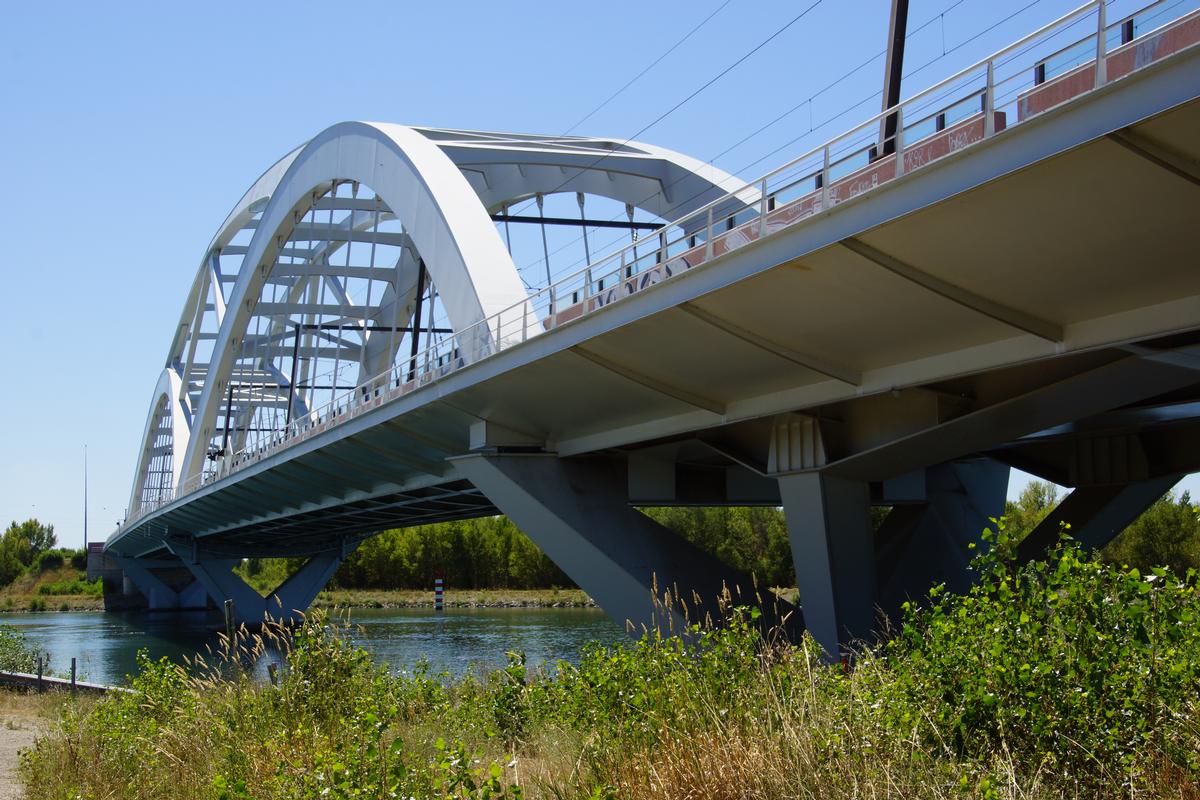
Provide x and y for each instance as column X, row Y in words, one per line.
column 989, row 101
column 708, row 236
column 1101, row 44
column 762, row 208
column 899, row 141
column 553, row 316
column 825, row 180
column 525, row 320
column 587, row 285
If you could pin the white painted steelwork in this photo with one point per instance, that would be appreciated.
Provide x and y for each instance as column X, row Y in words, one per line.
column 440, row 185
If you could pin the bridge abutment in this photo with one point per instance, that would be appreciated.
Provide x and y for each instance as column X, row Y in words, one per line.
column 578, row 513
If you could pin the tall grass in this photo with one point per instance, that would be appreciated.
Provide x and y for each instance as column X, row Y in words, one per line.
column 1066, row 679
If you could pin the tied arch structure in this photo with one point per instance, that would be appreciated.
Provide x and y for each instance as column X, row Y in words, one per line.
column 371, row 250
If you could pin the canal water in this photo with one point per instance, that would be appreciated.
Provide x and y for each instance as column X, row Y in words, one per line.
column 455, row 641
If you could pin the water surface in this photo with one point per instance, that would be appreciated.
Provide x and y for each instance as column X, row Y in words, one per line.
column 105, row 644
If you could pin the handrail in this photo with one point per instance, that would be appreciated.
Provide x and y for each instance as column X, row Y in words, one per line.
column 541, row 311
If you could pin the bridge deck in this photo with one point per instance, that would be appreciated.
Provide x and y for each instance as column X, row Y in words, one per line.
column 1013, row 246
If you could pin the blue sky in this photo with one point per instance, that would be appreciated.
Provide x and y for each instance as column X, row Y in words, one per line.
column 131, row 129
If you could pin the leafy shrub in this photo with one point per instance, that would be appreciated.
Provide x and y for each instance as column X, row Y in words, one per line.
column 73, row 587
column 1068, row 663
column 16, row 655
column 50, row 559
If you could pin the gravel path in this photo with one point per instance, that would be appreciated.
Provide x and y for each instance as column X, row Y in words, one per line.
column 17, row 732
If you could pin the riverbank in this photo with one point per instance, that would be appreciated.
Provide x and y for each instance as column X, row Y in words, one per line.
column 454, row 598
column 62, row 588
column 1063, row 680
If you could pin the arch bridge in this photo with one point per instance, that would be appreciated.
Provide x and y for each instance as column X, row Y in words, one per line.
column 1004, row 276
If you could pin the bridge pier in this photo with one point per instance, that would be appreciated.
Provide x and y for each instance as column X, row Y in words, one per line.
column 578, row 513
column 848, row 574
column 159, row 594
column 829, row 525
column 1096, row 514
column 920, row 544
column 286, row 603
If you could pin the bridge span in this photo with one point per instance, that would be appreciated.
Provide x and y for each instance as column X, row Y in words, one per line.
column 1011, row 279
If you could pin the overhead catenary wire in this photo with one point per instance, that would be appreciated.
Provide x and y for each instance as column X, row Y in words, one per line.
column 827, row 120
column 775, row 121
column 696, row 92
column 649, row 67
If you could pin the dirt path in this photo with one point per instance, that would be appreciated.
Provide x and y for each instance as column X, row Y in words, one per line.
column 17, row 732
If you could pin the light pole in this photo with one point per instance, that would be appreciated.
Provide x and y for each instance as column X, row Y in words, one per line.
column 893, row 71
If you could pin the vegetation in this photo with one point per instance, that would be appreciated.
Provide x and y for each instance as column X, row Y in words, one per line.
column 16, row 654
column 21, row 545
column 1067, row 678
column 453, row 598
column 1166, row 534
column 33, row 572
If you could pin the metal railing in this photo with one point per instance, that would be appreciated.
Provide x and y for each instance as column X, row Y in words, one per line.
column 975, row 104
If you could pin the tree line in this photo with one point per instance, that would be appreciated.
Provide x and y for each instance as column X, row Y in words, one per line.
column 491, row 553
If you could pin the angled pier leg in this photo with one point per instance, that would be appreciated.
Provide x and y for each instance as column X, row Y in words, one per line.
column 193, row 596
column 578, row 513
column 849, row 576
column 1096, row 514
column 217, row 578
column 297, row 593
column 159, row 596
column 215, row 574
column 923, row 544
column 829, row 525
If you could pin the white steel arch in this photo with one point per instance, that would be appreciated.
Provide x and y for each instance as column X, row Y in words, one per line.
column 421, row 186
column 442, row 185
column 168, row 419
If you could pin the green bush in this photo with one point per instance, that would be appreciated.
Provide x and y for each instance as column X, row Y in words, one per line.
column 1073, row 665
column 44, row 562
column 76, row 586
column 79, row 560
column 16, row 655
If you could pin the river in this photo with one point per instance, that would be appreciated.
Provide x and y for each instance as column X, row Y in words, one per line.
column 105, row 644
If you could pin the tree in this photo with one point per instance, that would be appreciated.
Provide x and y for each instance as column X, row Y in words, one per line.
column 1035, row 503
column 40, row 537
column 1166, row 535
column 20, row 545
